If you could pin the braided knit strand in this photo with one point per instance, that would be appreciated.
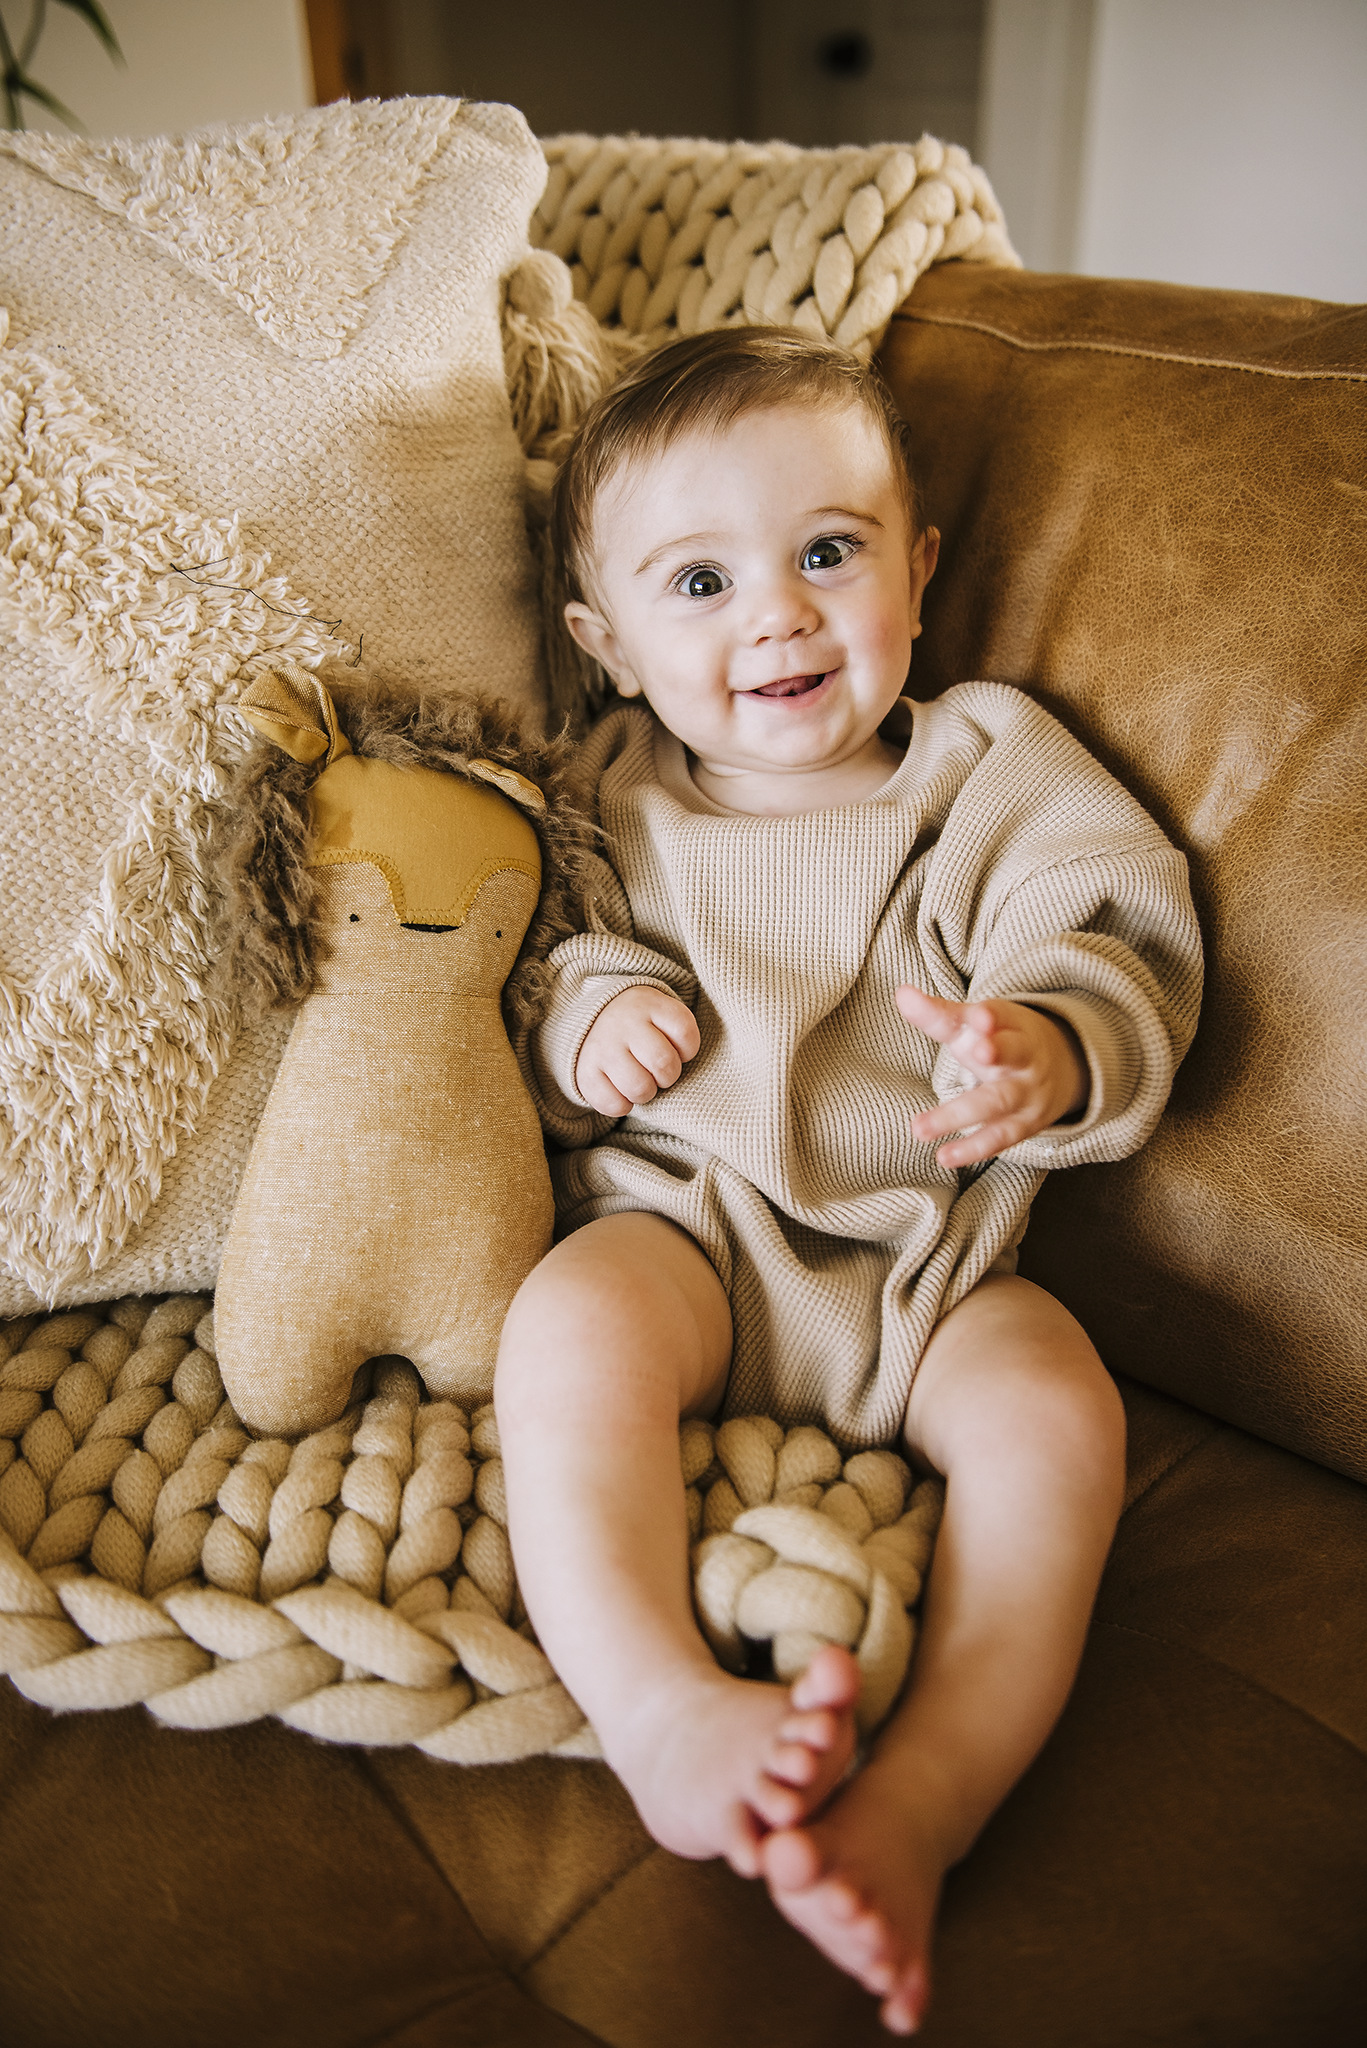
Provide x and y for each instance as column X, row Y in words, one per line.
column 359, row 1584
column 673, row 237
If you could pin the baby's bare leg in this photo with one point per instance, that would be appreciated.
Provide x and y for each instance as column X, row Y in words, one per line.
column 623, row 1328
column 1013, row 1405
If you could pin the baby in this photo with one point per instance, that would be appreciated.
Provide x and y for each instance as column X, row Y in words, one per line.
column 860, row 971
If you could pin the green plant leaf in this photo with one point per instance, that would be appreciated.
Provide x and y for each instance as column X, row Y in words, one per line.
column 91, row 11
column 17, row 85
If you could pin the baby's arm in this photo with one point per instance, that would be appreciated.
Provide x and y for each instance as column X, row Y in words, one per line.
column 1029, row 1068
column 636, row 1046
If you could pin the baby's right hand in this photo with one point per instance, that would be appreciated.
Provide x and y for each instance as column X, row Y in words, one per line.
column 637, row 1045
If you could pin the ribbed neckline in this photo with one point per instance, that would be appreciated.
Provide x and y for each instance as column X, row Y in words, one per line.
column 671, row 766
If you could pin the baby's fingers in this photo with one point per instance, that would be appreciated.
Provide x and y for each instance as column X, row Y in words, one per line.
column 961, row 1113
column 929, row 1124
column 980, row 1123
column 656, row 1055
column 679, row 1026
column 600, row 1093
column 986, row 1142
column 969, row 1028
column 931, row 1014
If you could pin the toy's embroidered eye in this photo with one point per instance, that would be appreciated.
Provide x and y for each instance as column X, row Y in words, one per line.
column 355, row 917
column 703, row 580
column 832, row 551
column 498, row 935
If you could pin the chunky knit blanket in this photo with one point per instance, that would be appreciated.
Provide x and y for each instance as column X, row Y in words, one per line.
column 674, row 237
column 359, row 1584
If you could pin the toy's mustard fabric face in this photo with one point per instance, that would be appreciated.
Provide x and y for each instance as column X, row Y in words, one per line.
column 435, row 838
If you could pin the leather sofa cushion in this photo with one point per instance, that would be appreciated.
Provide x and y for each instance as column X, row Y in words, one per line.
column 1183, row 1865
column 1155, row 521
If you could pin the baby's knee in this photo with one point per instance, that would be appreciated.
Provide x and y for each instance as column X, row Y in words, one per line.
column 1078, row 1411
column 557, row 1304
column 1011, row 1372
column 627, row 1303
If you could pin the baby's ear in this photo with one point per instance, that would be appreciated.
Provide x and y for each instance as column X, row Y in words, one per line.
column 928, row 548
column 595, row 635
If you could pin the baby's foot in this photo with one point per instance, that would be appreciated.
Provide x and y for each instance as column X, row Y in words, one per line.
column 713, row 1762
column 862, row 1884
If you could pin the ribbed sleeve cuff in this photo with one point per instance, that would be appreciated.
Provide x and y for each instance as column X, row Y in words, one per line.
column 1113, row 1063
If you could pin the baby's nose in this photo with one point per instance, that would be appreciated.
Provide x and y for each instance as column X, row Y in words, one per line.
column 783, row 611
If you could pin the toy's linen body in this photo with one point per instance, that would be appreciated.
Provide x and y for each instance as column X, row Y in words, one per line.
column 1000, row 861
column 396, row 1194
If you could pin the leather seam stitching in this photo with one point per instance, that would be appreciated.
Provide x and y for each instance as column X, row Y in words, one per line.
column 1168, row 1470
column 1151, row 355
column 604, row 1891
column 385, row 1797
column 1256, row 1685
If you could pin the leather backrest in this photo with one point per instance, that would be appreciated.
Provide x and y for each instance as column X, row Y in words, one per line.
column 1154, row 505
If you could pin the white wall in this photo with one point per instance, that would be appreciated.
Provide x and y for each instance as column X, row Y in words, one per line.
column 190, row 62
column 1032, row 121
column 1227, row 145
column 1212, row 142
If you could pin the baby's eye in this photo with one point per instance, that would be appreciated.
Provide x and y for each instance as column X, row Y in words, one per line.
column 704, row 581
column 830, row 552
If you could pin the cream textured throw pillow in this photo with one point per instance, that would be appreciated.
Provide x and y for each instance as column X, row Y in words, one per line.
column 252, row 404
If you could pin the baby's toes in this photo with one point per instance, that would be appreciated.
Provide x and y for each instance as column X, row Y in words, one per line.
column 904, row 2007
column 820, row 1730
column 791, row 1860
column 793, row 1762
column 831, row 1681
column 833, row 1916
column 779, row 1805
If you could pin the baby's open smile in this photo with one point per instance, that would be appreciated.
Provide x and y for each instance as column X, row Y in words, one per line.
column 788, row 687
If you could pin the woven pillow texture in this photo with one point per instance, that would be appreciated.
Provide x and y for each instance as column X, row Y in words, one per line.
column 252, row 404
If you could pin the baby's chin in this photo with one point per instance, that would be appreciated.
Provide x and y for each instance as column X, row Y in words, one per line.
column 811, row 771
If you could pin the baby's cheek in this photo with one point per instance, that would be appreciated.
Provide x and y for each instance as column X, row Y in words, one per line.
column 890, row 637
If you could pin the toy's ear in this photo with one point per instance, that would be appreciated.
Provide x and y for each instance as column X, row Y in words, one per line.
column 290, row 707
column 512, row 785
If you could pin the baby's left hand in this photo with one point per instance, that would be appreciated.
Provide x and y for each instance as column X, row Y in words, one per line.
column 1029, row 1069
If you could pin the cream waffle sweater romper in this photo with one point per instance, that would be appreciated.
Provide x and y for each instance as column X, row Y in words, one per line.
column 1000, row 860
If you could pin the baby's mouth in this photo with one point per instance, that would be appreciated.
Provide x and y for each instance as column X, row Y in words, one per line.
column 791, row 686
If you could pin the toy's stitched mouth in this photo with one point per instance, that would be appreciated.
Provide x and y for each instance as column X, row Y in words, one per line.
column 791, row 686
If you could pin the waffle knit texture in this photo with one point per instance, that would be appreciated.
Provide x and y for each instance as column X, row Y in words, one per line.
column 252, row 406
column 1001, row 860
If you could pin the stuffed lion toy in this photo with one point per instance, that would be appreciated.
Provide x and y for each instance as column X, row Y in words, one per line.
column 384, row 857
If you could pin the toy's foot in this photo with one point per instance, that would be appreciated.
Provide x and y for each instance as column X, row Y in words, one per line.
column 714, row 1762
column 862, row 1883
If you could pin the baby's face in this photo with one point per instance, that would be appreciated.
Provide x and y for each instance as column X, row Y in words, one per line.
column 761, row 590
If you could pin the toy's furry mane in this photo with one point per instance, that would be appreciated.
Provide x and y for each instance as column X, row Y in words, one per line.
column 267, row 942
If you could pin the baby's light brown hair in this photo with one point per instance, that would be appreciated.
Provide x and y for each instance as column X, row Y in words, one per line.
column 703, row 384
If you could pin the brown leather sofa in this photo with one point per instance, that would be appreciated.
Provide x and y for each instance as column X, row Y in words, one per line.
column 1155, row 518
